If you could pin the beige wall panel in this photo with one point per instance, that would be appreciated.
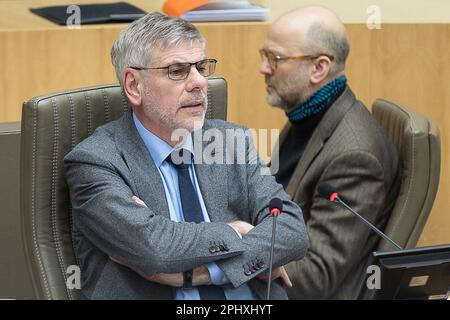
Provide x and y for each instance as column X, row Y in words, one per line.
column 409, row 64
column 38, row 62
column 356, row 11
column 236, row 47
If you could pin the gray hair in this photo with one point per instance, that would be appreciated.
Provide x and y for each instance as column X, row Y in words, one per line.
column 319, row 39
column 134, row 45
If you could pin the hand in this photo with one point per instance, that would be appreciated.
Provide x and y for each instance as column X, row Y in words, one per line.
column 277, row 273
column 241, row 226
column 200, row 276
column 138, row 201
column 170, row 279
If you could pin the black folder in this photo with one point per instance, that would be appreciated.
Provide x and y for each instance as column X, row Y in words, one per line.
column 92, row 13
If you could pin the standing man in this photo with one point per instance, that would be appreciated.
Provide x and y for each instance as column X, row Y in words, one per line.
column 150, row 219
column 330, row 137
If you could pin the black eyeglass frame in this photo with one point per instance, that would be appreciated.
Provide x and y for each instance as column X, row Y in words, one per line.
column 187, row 68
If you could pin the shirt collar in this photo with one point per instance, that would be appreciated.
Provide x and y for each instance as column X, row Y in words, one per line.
column 158, row 148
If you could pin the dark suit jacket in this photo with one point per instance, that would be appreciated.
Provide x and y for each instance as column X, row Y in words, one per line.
column 109, row 167
column 350, row 151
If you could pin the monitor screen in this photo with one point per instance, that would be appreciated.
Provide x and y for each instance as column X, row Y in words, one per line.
column 419, row 273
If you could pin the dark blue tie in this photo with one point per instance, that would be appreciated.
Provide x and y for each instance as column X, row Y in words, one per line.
column 192, row 211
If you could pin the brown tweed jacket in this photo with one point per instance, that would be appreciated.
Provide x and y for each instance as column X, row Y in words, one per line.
column 349, row 150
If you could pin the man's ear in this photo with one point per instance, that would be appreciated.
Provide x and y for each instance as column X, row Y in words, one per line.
column 321, row 69
column 133, row 86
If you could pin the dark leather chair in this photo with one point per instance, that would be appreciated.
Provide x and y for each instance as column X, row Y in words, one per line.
column 14, row 279
column 51, row 126
column 418, row 144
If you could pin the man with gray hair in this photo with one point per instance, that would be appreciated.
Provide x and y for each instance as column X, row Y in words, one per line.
column 330, row 137
column 146, row 226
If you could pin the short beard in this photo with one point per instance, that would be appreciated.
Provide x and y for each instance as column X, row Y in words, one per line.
column 275, row 100
column 293, row 91
column 169, row 120
column 198, row 123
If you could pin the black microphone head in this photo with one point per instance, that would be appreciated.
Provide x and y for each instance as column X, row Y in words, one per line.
column 326, row 190
column 276, row 203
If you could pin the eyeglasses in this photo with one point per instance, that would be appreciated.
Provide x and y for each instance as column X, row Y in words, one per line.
column 180, row 71
column 273, row 59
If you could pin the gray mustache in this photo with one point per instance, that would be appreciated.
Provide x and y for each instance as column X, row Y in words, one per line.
column 194, row 98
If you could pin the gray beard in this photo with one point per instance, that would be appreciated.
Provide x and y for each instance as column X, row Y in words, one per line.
column 279, row 102
column 295, row 91
column 276, row 101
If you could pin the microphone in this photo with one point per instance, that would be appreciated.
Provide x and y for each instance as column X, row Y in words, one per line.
column 330, row 193
column 275, row 207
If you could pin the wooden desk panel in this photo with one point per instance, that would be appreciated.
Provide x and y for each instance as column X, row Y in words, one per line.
column 39, row 56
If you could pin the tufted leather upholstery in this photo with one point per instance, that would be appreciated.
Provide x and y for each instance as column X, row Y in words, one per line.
column 418, row 144
column 51, row 126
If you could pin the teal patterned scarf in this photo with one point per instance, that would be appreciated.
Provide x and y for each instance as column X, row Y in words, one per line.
column 319, row 101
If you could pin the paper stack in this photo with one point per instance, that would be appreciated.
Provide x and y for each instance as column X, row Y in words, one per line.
column 227, row 11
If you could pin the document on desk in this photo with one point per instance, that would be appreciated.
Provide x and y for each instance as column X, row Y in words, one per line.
column 227, row 11
column 92, row 13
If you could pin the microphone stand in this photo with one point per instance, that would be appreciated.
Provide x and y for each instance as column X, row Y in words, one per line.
column 371, row 226
column 274, row 225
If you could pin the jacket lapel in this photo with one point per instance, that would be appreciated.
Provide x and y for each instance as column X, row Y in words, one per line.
column 320, row 135
column 144, row 174
column 212, row 179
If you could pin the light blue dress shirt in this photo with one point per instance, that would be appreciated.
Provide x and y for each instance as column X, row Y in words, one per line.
column 159, row 150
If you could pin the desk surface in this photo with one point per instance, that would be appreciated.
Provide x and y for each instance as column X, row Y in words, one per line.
column 16, row 14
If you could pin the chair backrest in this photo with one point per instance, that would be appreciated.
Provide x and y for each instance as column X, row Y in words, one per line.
column 14, row 279
column 418, row 144
column 51, row 126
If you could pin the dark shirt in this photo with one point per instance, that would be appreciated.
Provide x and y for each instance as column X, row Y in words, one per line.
column 294, row 145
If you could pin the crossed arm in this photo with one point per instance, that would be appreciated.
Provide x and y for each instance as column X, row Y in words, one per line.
column 201, row 275
column 102, row 184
